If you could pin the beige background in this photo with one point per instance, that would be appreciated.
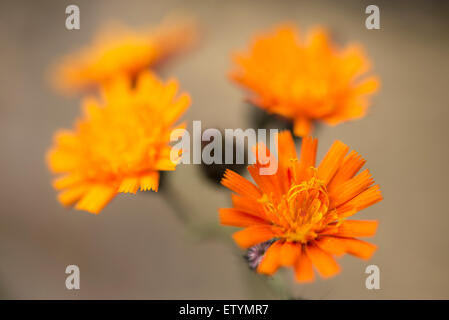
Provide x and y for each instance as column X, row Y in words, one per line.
column 136, row 248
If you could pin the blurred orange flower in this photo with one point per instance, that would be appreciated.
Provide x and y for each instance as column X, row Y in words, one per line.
column 305, row 80
column 118, row 49
column 302, row 209
column 118, row 145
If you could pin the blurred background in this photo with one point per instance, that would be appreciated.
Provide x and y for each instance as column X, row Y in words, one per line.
column 136, row 247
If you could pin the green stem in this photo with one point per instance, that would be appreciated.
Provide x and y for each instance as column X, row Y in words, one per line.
column 180, row 208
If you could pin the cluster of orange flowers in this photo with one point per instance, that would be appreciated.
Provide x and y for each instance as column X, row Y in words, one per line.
column 121, row 142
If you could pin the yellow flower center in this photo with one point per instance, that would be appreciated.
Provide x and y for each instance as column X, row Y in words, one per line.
column 122, row 143
column 302, row 212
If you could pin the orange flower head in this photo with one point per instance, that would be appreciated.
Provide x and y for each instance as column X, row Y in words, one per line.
column 301, row 210
column 119, row 145
column 120, row 50
column 305, row 80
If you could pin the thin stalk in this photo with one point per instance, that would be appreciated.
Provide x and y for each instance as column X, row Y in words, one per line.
column 180, row 208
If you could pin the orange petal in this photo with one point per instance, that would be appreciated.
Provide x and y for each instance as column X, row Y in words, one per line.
column 323, row 261
column 240, row 185
column 318, row 40
column 284, row 110
column 332, row 161
column 253, row 235
column 307, row 158
column 233, row 217
column 150, row 181
column 351, row 165
column 271, row 259
column 177, row 108
column 302, row 127
column 354, row 62
column 61, row 161
column 331, row 245
column 368, row 86
column 168, row 92
column 269, row 184
column 351, row 188
column 353, row 108
column 66, row 139
column 66, row 181
column 91, row 108
column 289, row 253
column 247, row 205
column 286, row 154
column 266, row 163
column 129, row 185
column 71, row 195
column 359, row 248
column 96, row 199
column 365, row 199
column 286, row 146
column 357, row 228
column 165, row 164
column 308, row 152
column 304, row 268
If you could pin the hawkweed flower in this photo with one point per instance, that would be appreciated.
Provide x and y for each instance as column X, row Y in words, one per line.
column 119, row 144
column 305, row 80
column 303, row 208
column 120, row 50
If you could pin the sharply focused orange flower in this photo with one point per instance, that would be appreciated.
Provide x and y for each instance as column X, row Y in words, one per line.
column 300, row 212
column 119, row 145
column 119, row 49
column 305, row 80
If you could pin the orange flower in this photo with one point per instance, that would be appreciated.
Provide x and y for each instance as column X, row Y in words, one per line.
column 305, row 80
column 118, row 49
column 302, row 209
column 119, row 145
